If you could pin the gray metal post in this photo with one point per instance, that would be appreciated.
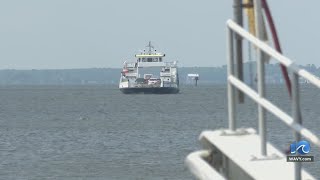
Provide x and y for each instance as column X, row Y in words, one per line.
column 296, row 116
column 250, row 64
column 260, row 72
column 231, row 91
column 238, row 18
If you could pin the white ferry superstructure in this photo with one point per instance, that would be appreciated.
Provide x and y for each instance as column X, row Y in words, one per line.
column 133, row 81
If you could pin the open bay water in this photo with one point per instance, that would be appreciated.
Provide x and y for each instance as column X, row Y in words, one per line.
column 96, row 132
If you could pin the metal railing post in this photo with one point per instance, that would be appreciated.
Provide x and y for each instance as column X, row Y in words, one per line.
column 261, row 110
column 262, row 101
column 231, row 91
column 260, row 72
column 238, row 18
column 295, row 102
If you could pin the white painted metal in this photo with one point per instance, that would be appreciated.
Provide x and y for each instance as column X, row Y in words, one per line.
column 164, row 74
column 129, row 64
column 124, row 84
column 273, row 53
column 286, row 62
column 131, row 71
column 193, row 75
column 150, row 55
column 243, row 151
column 260, row 73
column 131, row 74
column 231, row 91
column 171, row 64
column 151, row 64
column 200, row 168
column 275, row 111
column 238, row 151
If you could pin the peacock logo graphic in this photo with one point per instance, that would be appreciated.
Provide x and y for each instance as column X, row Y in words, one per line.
column 302, row 147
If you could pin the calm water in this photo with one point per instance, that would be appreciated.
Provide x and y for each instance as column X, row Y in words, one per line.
column 95, row 132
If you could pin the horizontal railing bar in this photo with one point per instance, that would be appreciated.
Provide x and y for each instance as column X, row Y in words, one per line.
column 274, row 110
column 273, row 53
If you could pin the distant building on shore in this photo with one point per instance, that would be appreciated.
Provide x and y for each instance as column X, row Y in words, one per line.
column 192, row 79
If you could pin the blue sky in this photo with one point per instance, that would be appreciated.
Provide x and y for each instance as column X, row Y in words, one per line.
column 57, row 34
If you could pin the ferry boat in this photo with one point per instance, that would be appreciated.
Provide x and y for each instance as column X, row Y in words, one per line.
column 162, row 77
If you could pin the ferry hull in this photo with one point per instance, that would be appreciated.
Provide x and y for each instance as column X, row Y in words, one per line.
column 158, row 90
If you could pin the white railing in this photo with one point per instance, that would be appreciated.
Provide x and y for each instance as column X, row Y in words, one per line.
column 131, row 74
column 293, row 121
column 165, row 74
column 171, row 64
column 130, row 64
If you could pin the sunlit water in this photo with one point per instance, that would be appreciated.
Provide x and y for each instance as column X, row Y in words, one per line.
column 95, row 132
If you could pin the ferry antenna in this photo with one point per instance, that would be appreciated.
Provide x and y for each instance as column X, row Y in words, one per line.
column 150, row 47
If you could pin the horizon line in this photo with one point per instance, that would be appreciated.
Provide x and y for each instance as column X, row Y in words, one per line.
column 81, row 68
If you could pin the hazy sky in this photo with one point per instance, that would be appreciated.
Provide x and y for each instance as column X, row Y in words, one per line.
column 38, row 34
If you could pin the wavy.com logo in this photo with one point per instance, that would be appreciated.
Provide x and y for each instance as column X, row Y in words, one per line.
column 302, row 147
column 298, row 151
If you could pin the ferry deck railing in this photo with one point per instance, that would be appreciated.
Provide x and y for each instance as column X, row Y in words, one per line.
column 130, row 64
column 294, row 121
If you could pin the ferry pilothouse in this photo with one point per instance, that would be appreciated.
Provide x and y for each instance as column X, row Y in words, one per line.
column 162, row 77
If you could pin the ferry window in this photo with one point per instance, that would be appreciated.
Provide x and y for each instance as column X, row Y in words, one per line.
column 155, row 59
column 160, row 59
column 143, row 59
column 139, row 60
column 149, row 59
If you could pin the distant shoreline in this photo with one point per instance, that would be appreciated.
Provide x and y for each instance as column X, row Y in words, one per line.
column 307, row 66
column 97, row 76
